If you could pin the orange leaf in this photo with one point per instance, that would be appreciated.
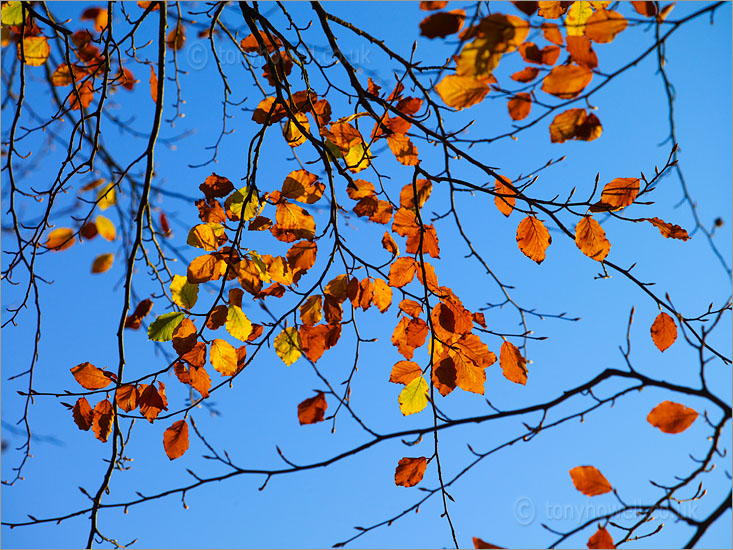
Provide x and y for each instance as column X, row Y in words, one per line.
column 664, row 331
column 216, row 186
column 551, row 10
column 526, row 75
column 102, row 263
column 460, row 92
column 404, row 372
column 505, row 199
column 223, row 357
column 301, row 185
column 410, row 307
column 175, row 439
column 90, row 377
column 382, row 295
column 581, row 51
column 410, row 471
column 176, row 38
column 293, row 223
column 532, row 54
column 405, row 222
column 409, row 334
column 302, row 256
column 401, row 272
column 647, row 9
column 83, row 414
column 337, row 288
column 513, row 365
column 575, row 124
column 668, row 230
column 671, row 418
column 60, row 239
column 567, row 81
column 250, row 45
column 359, row 189
column 310, row 310
column 141, row 311
column 433, row 5
column 430, row 244
column 442, row 24
column 153, row 85
column 217, row 318
column 589, row 481
column 390, row 245
column 533, row 238
column 601, row 539
column 617, row 194
column 312, row 410
column 591, row 239
column 519, row 106
column 604, row 25
column 103, row 415
column 552, row 33
column 81, row 97
column 98, row 15
column 403, row 149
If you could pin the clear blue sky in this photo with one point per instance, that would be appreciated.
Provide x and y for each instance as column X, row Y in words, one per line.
column 319, row 508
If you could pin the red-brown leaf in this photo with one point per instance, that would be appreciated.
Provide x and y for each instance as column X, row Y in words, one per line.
column 410, row 471
column 175, row 439
column 664, row 331
column 312, row 410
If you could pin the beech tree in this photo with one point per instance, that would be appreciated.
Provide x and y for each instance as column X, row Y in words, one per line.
column 273, row 271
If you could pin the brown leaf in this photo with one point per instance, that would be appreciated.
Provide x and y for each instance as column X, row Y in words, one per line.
column 251, row 45
column 442, row 24
column 216, row 186
column 575, row 124
column 359, row 189
column 336, row 288
column 664, row 331
column 647, row 9
column 302, row 256
column 90, row 377
column 567, row 81
column 201, row 269
column 532, row 54
column 405, row 222
column 410, row 307
column 671, row 418
column 410, row 471
column 589, row 481
column 581, row 51
column 527, row 8
column 175, row 439
column 513, row 365
column 433, row 5
column 152, row 401
column 601, row 539
column 409, row 335
column 103, row 416
column 533, row 238
column 134, row 320
column 312, row 410
column 301, row 185
column 153, row 85
column 551, row 10
column 430, row 243
column 519, row 106
column 478, row 543
column 83, row 414
column 217, row 318
column 103, row 263
column 126, row 397
column 390, row 245
column 176, row 38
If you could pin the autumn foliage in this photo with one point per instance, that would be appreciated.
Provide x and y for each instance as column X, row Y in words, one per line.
column 276, row 265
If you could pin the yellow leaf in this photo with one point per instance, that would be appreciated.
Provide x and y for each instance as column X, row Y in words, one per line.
column 105, row 228
column 414, row 397
column 223, row 357
column 576, row 18
column 237, row 323
column 460, row 92
column 35, row 50
column 107, row 197
column 60, row 239
column 288, row 346
column 208, row 236
column 184, row 293
column 102, row 263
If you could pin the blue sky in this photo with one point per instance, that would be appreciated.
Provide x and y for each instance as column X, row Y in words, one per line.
column 319, row 508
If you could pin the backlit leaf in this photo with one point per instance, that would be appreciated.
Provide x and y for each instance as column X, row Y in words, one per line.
column 581, row 51
column 410, row 471
column 126, row 397
column 668, row 230
column 604, row 25
column 103, row 417
column 567, row 81
column 237, row 200
column 576, row 18
column 513, row 365
column 404, row 372
column 551, row 32
column 223, row 357
column 671, row 418
column 312, row 410
column 82, row 96
column 237, row 323
column 519, row 106
column 390, row 245
column 401, row 272
column 461, row 92
column 533, row 238
column 60, row 239
column 589, row 481
column 161, row 330
column 664, row 331
column 591, row 239
column 287, row 345
column 382, row 295
column 90, row 377
column 152, row 400
column 414, row 397
column 217, row 317
column 442, row 24
column 134, row 320
column 647, row 9
column 575, row 124
column 105, row 228
column 617, row 194
column 12, row 13
column 201, row 269
column 302, row 186
column 601, row 539
column 183, row 293
column 102, row 263
column 83, row 414
column 107, row 197
column 505, row 198
column 35, row 50
column 175, row 439
column 209, row 236
column 310, row 310
column 176, row 38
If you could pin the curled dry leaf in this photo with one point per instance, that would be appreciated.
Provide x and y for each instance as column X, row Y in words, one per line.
column 671, row 418
column 664, row 331
column 103, row 416
column 589, row 481
column 668, row 230
column 83, row 414
column 410, row 471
